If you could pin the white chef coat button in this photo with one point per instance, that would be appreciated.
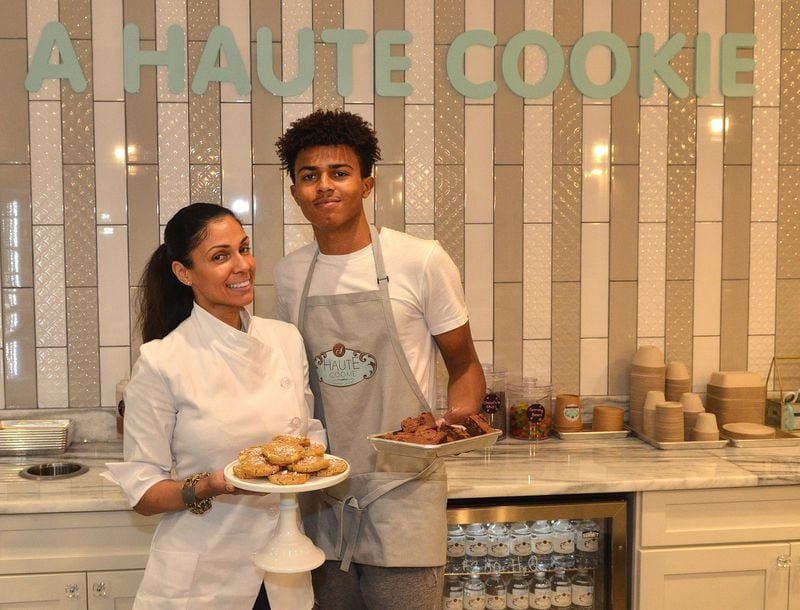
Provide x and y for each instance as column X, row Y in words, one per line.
column 286, row 383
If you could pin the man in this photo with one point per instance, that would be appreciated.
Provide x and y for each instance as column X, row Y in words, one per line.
column 373, row 307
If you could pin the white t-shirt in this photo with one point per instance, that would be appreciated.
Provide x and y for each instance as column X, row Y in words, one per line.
column 424, row 288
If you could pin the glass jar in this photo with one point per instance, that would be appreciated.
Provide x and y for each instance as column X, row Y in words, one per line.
column 494, row 401
column 529, row 412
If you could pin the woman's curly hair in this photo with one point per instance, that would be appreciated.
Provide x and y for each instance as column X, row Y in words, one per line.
column 329, row 128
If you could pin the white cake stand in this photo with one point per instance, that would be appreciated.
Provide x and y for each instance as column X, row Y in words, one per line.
column 289, row 550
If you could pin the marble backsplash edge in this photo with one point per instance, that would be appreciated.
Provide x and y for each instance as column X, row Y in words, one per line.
column 92, row 424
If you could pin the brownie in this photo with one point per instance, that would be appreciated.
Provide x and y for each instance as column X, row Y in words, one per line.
column 476, row 425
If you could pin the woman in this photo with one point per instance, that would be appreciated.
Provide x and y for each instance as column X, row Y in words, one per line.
column 210, row 380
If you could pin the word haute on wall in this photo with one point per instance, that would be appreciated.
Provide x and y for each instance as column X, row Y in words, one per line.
column 221, row 62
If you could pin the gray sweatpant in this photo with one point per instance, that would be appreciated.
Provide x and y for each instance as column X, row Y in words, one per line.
column 366, row 587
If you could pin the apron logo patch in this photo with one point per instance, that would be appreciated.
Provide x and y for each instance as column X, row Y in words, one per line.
column 341, row 366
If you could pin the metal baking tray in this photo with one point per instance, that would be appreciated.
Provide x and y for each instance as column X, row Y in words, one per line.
column 35, row 436
column 667, row 445
column 430, row 451
column 592, row 435
column 782, row 439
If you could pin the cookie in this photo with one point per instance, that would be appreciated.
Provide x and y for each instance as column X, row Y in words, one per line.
column 249, row 452
column 254, row 469
column 314, row 449
column 284, row 477
column 335, row 466
column 303, row 441
column 310, row 463
column 282, row 453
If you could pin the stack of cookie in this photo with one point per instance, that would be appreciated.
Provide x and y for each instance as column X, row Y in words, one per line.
column 287, row 460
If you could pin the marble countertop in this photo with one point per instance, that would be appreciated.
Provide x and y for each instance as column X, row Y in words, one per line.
column 508, row 469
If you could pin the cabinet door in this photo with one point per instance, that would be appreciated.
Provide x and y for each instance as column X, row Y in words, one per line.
column 113, row 590
column 794, row 578
column 44, row 591
column 714, row 578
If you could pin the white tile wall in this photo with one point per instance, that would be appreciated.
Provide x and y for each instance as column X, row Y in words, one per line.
column 114, row 365
column 597, row 18
column 237, row 174
column 705, row 360
column 112, row 286
column 538, row 16
column 110, row 163
column 359, row 16
column 594, row 367
column 107, row 51
column 538, row 164
column 594, row 279
column 419, row 20
column 596, row 163
column 235, row 15
column 478, row 183
column 707, row 277
column 708, row 193
column 479, row 60
column 40, row 13
column 479, row 279
column 711, row 19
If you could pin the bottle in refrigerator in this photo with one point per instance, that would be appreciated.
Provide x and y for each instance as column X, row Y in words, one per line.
column 495, row 592
column 587, row 543
column 541, row 592
column 456, row 547
column 563, row 538
column 582, row 590
column 477, row 546
column 499, row 547
column 517, row 592
column 453, row 594
column 541, row 539
column 521, row 547
column 562, row 589
column 474, row 591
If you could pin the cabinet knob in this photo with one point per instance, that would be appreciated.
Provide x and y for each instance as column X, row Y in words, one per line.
column 72, row 590
column 99, row 589
column 784, row 561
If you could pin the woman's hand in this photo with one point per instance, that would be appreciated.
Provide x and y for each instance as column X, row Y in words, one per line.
column 218, row 485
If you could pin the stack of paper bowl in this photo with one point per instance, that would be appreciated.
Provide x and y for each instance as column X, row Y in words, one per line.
column 647, row 373
column 736, row 397
column 606, row 418
column 692, row 405
column 654, row 398
column 677, row 381
column 746, row 430
column 669, row 422
column 705, row 428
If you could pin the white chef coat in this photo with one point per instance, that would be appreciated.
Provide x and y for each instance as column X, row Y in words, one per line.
column 195, row 399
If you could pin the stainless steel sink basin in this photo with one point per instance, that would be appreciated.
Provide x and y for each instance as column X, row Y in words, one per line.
column 52, row 471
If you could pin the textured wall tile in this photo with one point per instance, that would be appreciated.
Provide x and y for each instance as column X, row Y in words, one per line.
column 508, row 326
column 169, row 12
column 653, row 164
column 49, row 282
column 767, row 53
column 762, row 278
column 291, row 211
column 567, row 21
column 566, row 223
column 206, row 183
column 738, row 130
column 764, row 196
column 790, row 24
column 77, row 112
column 760, row 350
column 537, row 246
column 327, row 14
column 421, row 231
column 678, row 328
column 201, row 16
column 296, row 14
column 790, row 108
column 623, row 225
column 141, row 117
column 19, row 351
column 80, row 252
column 538, row 16
column 143, row 226
column 389, row 204
column 683, row 17
column 680, row 223
column 51, row 378
column 46, row 183
column 478, row 279
column 788, row 222
column 622, row 316
column 295, row 236
column 707, row 277
column 83, row 349
column 76, row 15
column 325, row 76
column 14, row 146
column 538, row 164
column 736, row 222
column 508, row 235
column 652, row 277
column 567, row 123
column 41, row 12
column 449, row 108
column 787, row 328
column 655, row 20
column 204, row 117
column 566, row 337
column 682, row 114
column 418, row 158
column 173, row 158
column 15, row 227
column 419, row 20
column 733, row 327
column 536, row 359
column 449, row 213
column 448, row 20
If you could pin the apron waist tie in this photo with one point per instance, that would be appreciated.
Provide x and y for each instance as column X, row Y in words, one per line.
column 358, row 507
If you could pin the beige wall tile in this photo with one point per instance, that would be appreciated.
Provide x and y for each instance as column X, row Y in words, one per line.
column 265, row 13
column 624, row 219
column 265, row 302
column 738, row 131
column 449, row 111
column 448, row 19
column 80, row 237
column 14, row 144
column 682, row 115
column 204, row 117
column 325, row 92
column 267, row 220
column 788, row 222
column 266, row 114
column 621, row 334
column 566, row 344
column 508, row 242
column 390, row 123
column 566, row 223
column 678, row 320
column 509, row 16
column 683, row 18
column 205, row 183
column 83, row 353
column 680, row 222
column 13, row 23
column 733, row 326
column 508, row 325
column 16, row 239
column 567, row 124
column 787, row 317
column 790, row 110
column 389, row 199
column 625, row 121
column 736, row 222
column 141, row 116
column 143, row 230
column 201, row 16
column 509, row 127
column 76, row 15
column 18, row 331
column 567, row 21
column 77, row 113
column 739, row 16
column 143, row 14
column 449, row 212
column 626, row 19
column 790, row 32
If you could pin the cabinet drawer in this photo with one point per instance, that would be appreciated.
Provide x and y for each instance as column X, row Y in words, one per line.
column 692, row 517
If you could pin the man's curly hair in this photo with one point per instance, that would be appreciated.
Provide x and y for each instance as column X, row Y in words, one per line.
column 329, row 128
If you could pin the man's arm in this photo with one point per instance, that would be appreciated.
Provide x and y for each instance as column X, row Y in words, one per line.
column 467, row 386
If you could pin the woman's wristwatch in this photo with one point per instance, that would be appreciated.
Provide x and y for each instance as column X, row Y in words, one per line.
column 192, row 502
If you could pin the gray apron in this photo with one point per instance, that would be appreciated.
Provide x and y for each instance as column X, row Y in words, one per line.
column 362, row 385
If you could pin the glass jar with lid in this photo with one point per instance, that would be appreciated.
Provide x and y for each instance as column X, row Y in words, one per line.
column 494, row 401
column 529, row 409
